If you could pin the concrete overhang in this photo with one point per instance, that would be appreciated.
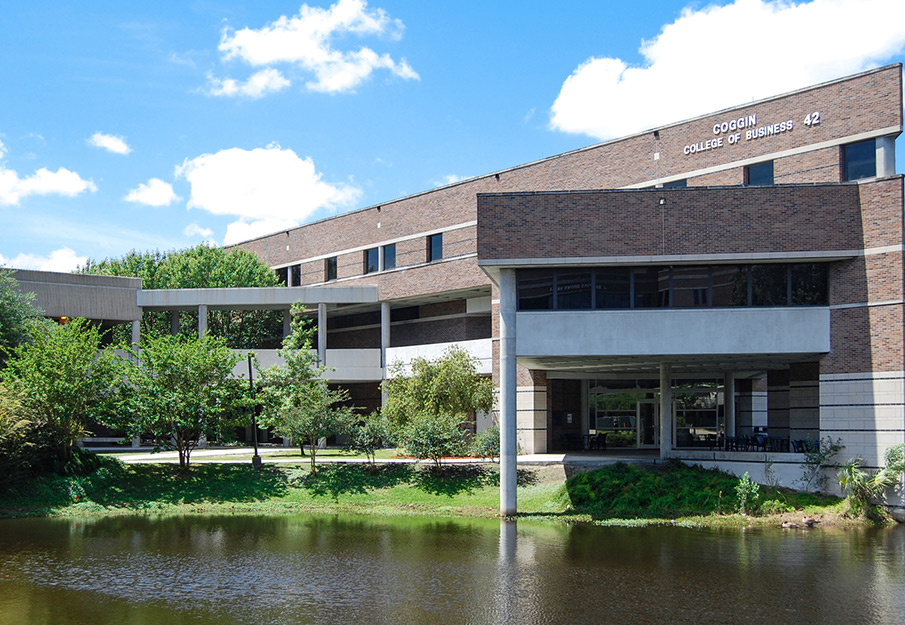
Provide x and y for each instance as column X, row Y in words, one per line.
column 694, row 339
column 99, row 298
column 260, row 298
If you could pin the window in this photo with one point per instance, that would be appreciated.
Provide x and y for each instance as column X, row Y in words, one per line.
column 690, row 287
column 372, row 260
column 651, row 287
column 434, row 247
column 769, row 285
column 759, row 175
column 330, row 269
column 389, row 257
column 676, row 184
column 295, row 274
column 613, row 287
column 535, row 289
column 573, row 289
column 282, row 275
column 809, row 285
column 859, row 160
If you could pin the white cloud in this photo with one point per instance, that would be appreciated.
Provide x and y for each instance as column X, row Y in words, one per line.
column 265, row 188
column 192, row 230
column 722, row 56
column 306, row 42
column 155, row 193
column 42, row 182
column 111, row 143
column 2, row 150
column 257, row 86
column 448, row 179
column 63, row 259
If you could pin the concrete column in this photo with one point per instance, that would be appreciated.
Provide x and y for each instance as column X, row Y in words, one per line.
column 508, row 440
column 886, row 156
column 202, row 320
column 136, row 333
column 174, row 322
column 287, row 323
column 384, row 333
column 729, row 402
column 380, row 261
column 322, row 333
column 665, row 409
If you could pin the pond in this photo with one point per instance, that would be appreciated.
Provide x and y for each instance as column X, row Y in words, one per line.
column 274, row 570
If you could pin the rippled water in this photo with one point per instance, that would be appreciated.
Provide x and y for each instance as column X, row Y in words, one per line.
column 350, row 570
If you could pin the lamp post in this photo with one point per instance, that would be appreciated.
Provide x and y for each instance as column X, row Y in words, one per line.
column 256, row 459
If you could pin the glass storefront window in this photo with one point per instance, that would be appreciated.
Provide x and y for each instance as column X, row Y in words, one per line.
column 613, row 287
column 809, row 285
column 651, row 287
column 573, row 290
column 769, row 285
column 535, row 289
column 691, row 287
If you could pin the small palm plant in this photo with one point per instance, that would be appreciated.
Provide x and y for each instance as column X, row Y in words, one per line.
column 864, row 488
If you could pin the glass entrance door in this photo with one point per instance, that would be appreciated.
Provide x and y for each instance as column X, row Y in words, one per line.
column 648, row 412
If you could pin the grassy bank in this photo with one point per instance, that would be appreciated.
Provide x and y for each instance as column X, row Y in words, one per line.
column 619, row 494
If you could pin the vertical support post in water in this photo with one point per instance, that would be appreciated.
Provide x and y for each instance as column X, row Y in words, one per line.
column 508, row 439
column 256, row 459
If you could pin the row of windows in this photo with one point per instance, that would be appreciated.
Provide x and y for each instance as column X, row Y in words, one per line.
column 859, row 160
column 580, row 288
column 371, row 261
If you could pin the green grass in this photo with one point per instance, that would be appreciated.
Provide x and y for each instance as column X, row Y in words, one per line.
column 674, row 490
column 619, row 494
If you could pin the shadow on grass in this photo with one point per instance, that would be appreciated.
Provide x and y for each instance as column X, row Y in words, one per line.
column 341, row 479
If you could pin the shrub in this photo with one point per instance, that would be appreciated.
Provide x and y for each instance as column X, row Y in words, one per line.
column 487, row 443
column 775, row 506
column 864, row 488
column 748, row 493
column 433, row 436
column 370, row 434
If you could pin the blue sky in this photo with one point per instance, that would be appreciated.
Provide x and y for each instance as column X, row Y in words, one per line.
column 160, row 125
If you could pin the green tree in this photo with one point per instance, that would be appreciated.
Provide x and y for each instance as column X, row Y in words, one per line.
column 202, row 266
column 63, row 377
column 864, row 488
column 297, row 402
column 15, row 447
column 180, row 389
column 371, row 433
column 450, row 386
column 429, row 407
column 18, row 314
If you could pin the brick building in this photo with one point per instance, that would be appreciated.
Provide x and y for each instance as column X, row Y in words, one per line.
column 723, row 289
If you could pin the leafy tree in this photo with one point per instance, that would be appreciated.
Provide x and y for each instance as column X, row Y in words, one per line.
column 63, row 377
column 15, row 448
column 434, row 436
column 429, row 407
column 297, row 402
column 450, row 386
column 487, row 443
column 18, row 314
column 371, row 433
column 864, row 488
column 180, row 389
column 202, row 266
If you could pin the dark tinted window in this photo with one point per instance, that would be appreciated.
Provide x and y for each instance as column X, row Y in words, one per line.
column 759, row 175
column 389, row 256
column 535, row 289
column 573, row 289
column 676, row 184
column 809, row 285
column 613, row 287
column 769, row 285
column 651, row 287
column 372, row 260
column 330, row 268
column 282, row 275
column 691, row 287
column 434, row 247
column 859, row 160
column 730, row 285
column 295, row 273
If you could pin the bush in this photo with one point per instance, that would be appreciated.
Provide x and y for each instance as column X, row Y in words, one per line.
column 16, row 452
column 433, row 436
column 775, row 506
column 864, row 489
column 370, row 434
column 487, row 443
column 748, row 493
column 621, row 439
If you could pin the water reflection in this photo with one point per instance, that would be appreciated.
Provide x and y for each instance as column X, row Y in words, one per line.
column 346, row 569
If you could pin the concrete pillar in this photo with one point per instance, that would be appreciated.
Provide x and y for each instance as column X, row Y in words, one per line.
column 322, row 333
column 174, row 322
column 886, row 156
column 136, row 333
column 287, row 323
column 508, row 442
column 665, row 409
column 384, row 333
column 202, row 320
column 380, row 261
column 729, row 402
